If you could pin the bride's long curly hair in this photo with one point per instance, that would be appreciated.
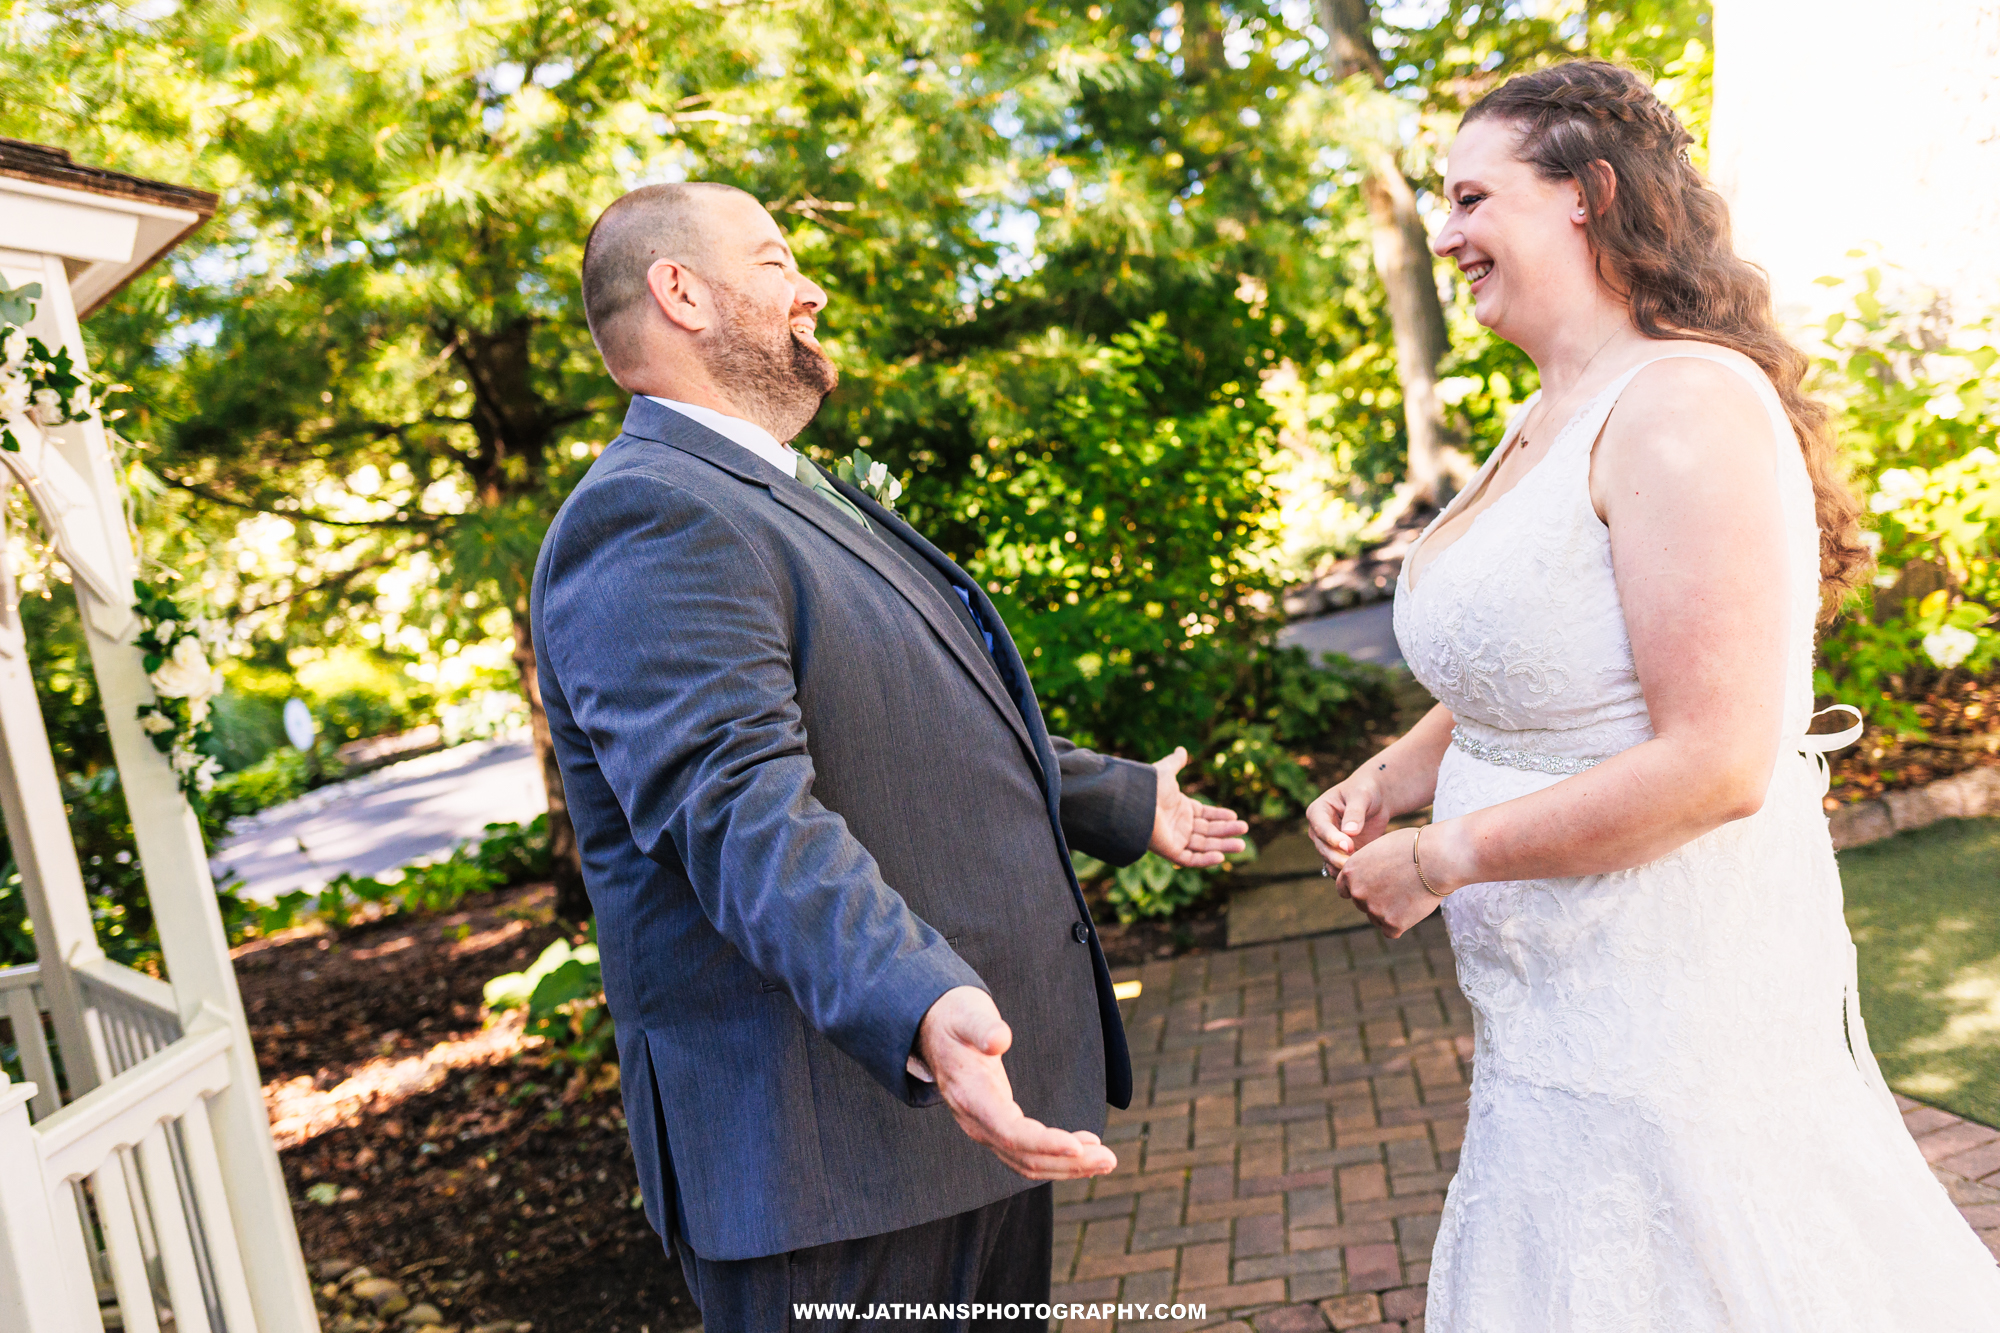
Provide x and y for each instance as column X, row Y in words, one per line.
column 1662, row 243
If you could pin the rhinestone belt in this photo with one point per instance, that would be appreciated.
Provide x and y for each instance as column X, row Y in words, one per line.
column 1531, row 761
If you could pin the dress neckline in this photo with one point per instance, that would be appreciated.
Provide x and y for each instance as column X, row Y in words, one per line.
column 1483, row 478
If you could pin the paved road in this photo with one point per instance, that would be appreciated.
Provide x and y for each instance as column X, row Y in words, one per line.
column 408, row 811
column 425, row 807
column 1364, row 633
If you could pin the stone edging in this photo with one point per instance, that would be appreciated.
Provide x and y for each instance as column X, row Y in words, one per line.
column 1962, row 796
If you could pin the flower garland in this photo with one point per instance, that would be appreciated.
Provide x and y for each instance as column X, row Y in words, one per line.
column 176, row 645
column 44, row 386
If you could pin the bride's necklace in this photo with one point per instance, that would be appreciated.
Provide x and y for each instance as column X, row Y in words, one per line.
column 1521, row 440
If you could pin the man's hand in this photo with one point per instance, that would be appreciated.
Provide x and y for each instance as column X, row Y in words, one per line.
column 1185, row 831
column 959, row 1044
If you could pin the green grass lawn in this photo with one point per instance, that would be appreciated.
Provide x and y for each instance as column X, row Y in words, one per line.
column 1925, row 911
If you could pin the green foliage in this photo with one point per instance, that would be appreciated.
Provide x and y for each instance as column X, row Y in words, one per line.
column 1284, row 705
column 504, row 854
column 280, row 776
column 1119, row 537
column 517, row 853
column 563, row 993
column 1920, row 423
column 1153, row 887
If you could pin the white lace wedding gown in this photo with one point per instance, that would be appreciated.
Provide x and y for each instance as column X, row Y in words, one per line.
column 1669, row 1131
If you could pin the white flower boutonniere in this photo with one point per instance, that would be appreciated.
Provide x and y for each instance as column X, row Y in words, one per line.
column 864, row 473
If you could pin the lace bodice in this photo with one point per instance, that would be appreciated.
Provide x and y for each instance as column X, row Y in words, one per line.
column 1517, row 625
column 1669, row 1131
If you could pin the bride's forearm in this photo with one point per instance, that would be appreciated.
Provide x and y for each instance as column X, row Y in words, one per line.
column 1625, row 812
column 1407, row 770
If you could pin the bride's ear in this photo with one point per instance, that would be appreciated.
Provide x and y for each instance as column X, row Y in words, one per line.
column 1605, row 182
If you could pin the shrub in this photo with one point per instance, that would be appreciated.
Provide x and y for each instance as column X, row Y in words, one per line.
column 1921, row 427
column 563, row 993
column 279, row 776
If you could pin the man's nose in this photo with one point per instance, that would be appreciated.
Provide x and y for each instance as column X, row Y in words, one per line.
column 809, row 294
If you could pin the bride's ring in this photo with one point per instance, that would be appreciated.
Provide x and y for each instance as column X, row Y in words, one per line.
column 1324, row 872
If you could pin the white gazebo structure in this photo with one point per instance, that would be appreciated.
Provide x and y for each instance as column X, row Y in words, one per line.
column 138, row 1184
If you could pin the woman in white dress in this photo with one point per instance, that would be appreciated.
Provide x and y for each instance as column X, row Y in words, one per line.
column 1675, row 1123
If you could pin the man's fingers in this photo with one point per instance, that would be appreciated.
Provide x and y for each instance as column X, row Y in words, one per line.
column 1034, row 1149
column 987, row 1034
column 1174, row 762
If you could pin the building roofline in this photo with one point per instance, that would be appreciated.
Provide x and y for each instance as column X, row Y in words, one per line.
column 53, row 166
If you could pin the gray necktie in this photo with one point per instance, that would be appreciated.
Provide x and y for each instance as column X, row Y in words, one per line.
column 818, row 482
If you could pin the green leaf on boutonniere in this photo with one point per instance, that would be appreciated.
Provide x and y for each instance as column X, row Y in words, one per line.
column 869, row 477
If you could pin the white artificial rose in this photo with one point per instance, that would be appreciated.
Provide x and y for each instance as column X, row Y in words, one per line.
column 877, row 474
column 187, row 674
column 155, row 723
column 13, row 349
column 164, row 631
column 184, row 759
column 48, row 406
column 1949, row 646
column 204, row 777
column 15, row 395
column 79, row 402
column 895, row 490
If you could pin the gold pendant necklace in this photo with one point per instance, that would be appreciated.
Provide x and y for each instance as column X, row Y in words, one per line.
column 1521, row 440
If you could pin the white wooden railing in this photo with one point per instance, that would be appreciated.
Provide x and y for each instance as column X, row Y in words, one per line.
column 137, row 1220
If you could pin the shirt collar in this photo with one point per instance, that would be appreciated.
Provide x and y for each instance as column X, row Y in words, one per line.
column 746, row 433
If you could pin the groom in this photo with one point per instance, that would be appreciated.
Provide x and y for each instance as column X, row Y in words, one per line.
column 860, row 1003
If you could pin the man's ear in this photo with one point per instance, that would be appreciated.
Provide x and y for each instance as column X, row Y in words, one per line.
column 680, row 295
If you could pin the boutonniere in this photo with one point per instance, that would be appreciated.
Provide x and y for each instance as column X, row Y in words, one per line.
column 872, row 478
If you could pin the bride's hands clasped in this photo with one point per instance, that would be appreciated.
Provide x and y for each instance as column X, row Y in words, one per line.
column 1349, row 825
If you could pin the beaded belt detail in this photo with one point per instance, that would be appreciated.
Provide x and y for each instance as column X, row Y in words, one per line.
column 1531, row 761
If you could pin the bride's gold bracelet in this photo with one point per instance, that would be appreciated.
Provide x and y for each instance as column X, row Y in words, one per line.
column 1416, row 858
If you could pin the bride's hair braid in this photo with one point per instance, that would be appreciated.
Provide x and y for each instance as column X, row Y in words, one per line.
column 1660, row 234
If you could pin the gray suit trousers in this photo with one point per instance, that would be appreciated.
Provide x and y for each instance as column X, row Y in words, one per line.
column 995, row 1256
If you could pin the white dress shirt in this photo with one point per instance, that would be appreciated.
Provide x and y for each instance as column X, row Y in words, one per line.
column 746, row 433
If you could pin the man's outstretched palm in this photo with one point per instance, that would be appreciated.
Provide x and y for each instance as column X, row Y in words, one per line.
column 1185, row 831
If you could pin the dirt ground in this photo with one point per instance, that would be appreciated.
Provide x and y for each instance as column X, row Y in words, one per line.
column 433, row 1150
column 1963, row 719
column 419, row 1145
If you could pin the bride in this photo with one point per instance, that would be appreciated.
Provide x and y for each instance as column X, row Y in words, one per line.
column 1676, row 1124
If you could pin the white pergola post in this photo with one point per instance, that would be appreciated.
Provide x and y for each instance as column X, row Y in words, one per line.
column 82, row 233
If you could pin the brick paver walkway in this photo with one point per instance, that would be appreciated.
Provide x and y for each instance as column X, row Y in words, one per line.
column 1297, row 1116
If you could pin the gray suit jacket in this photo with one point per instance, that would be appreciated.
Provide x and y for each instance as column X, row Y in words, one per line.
column 810, row 801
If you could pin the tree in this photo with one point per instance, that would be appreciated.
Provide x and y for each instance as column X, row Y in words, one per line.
column 1402, row 263
column 378, row 345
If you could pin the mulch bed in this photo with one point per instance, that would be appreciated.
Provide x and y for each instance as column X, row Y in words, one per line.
column 422, row 1145
column 485, row 1184
column 1963, row 719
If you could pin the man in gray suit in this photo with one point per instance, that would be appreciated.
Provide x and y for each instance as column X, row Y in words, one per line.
column 861, row 1006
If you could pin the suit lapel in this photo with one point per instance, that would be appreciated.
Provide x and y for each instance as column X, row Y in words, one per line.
column 1004, row 650
column 647, row 420
column 915, row 591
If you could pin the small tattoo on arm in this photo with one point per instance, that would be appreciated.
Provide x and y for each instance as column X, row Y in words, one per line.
column 1379, row 767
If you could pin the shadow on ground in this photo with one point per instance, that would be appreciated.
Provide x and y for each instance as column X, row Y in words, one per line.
column 1925, row 911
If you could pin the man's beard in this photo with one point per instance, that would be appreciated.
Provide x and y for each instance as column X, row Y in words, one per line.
column 768, row 372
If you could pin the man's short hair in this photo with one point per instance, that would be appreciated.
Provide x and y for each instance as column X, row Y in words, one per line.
column 652, row 222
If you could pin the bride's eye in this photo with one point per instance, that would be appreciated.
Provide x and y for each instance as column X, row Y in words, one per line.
column 1468, row 201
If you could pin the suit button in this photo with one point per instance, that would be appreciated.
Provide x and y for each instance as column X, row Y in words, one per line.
column 1080, row 932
